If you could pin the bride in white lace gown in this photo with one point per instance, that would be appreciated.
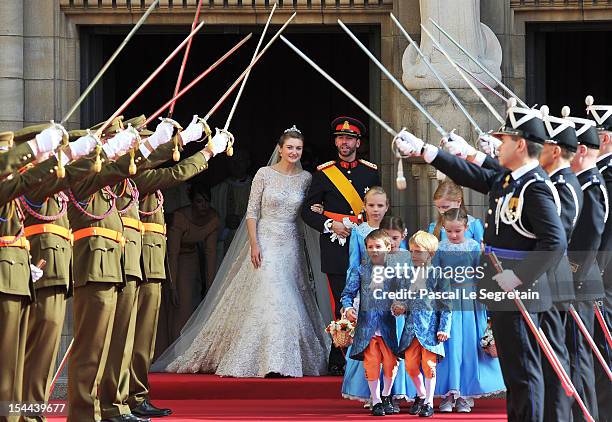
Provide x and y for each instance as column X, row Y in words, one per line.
column 265, row 319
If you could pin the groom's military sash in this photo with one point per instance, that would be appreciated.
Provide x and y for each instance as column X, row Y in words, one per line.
column 346, row 188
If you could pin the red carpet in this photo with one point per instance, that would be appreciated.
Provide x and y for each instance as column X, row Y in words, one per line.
column 211, row 398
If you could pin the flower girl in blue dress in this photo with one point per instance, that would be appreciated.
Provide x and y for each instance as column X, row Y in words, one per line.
column 467, row 371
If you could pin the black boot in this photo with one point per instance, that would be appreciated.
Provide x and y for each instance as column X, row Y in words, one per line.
column 416, row 406
column 378, row 410
column 387, row 405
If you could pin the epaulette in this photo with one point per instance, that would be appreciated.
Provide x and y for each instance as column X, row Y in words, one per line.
column 367, row 163
column 326, row 165
column 560, row 180
column 595, row 179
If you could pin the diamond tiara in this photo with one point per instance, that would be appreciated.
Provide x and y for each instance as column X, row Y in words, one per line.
column 293, row 129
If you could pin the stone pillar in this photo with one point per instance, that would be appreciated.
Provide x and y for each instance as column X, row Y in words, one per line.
column 462, row 20
column 11, row 65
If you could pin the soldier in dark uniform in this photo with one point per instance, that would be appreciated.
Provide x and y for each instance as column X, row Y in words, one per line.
column 582, row 253
column 339, row 186
column 556, row 157
column 524, row 230
column 604, row 259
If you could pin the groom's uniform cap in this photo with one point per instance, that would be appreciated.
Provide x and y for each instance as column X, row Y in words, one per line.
column 348, row 126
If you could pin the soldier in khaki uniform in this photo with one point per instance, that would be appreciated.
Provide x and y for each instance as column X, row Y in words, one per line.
column 27, row 152
column 48, row 232
column 15, row 277
column 98, row 237
column 149, row 184
column 114, row 389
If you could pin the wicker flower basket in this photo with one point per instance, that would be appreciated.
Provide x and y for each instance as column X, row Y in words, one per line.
column 487, row 342
column 491, row 350
column 341, row 332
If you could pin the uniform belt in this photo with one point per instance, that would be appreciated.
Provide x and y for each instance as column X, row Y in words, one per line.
column 339, row 217
column 506, row 253
column 99, row 231
column 133, row 223
column 155, row 228
column 22, row 242
column 49, row 228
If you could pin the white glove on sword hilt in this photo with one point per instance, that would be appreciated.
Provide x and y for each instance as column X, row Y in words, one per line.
column 458, row 146
column 49, row 139
column 488, row 144
column 223, row 140
column 193, row 132
column 408, row 145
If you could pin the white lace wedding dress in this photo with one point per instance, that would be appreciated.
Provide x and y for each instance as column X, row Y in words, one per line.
column 265, row 320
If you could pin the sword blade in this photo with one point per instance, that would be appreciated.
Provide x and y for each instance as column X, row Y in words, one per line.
column 112, row 58
column 464, row 76
column 392, row 78
column 369, row 112
column 437, row 75
column 179, row 79
column 483, row 67
column 249, row 67
column 481, row 82
column 148, row 80
column 191, row 84
column 589, row 339
column 244, row 81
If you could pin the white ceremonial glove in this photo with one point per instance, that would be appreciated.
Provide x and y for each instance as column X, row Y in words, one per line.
column 83, row 146
column 458, row 146
column 120, row 143
column 49, row 139
column 507, row 280
column 488, row 144
column 219, row 142
column 193, row 132
column 163, row 134
column 36, row 272
column 408, row 144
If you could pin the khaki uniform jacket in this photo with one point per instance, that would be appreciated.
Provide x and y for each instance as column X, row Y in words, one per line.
column 149, row 182
column 15, row 158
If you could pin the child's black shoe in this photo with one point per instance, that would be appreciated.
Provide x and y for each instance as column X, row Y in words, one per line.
column 387, row 405
column 416, row 406
column 426, row 411
column 378, row 410
column 396, row 406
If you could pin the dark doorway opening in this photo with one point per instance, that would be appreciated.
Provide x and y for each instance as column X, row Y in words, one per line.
column 566, row 62
column 282, row 90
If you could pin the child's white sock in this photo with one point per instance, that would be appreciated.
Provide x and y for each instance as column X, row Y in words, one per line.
column 420, row 387
column 388, row 384
column 430, row 386
column 375, row 391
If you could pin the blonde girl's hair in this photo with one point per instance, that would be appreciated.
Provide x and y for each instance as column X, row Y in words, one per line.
column 424, row 240
column 375, row 190
column 447, row 189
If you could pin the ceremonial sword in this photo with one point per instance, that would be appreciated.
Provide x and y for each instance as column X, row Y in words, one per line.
column 537, row 332
column 437, row 75
column 464, row 76
column 176, row 155
column 483, row 67
column 589, row 339
column 400, row 180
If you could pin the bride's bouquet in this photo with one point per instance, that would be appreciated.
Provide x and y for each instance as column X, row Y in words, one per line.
column 487, row 342
column 341, row 331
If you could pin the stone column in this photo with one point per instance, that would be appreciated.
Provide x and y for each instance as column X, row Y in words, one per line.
column 11, row 64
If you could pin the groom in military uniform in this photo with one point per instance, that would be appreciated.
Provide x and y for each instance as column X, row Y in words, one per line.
column 339, row 186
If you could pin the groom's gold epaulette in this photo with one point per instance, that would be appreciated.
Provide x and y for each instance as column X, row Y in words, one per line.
column 326, row 165
column 367, row 163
